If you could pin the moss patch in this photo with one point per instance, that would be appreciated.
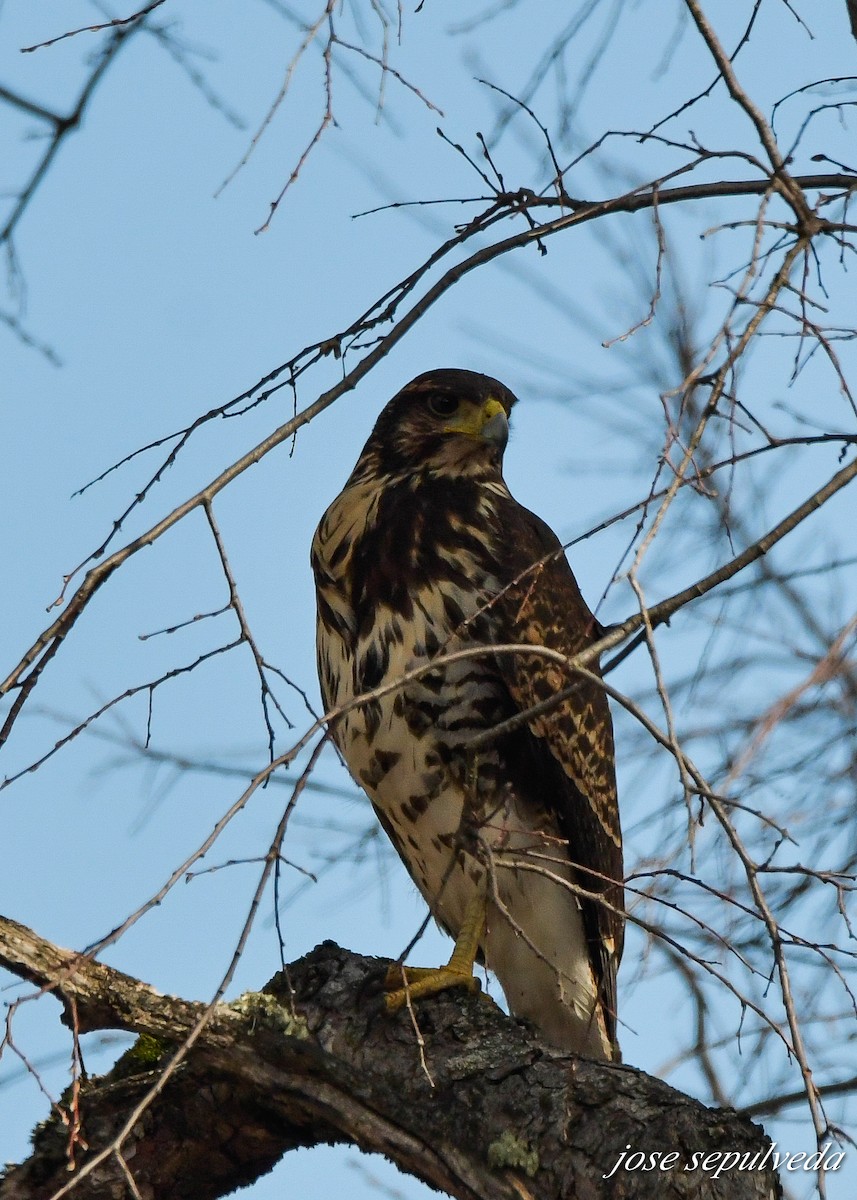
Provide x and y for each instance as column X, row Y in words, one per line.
column 146, row 1053
column 268, row 1011
column 511, row 1151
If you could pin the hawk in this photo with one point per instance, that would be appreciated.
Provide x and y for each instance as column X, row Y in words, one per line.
column 432, row 582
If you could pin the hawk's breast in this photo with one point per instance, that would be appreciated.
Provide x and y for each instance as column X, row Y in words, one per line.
column 389, row 606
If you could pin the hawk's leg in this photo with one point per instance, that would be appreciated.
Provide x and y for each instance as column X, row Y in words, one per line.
column 458, row 972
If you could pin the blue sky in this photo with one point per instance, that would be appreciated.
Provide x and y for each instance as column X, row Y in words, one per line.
column 161, row 303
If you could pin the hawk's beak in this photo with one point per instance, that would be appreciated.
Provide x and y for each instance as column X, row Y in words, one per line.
column 495, row 425
column 487, row 424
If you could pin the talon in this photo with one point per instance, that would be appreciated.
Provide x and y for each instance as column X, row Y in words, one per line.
column 422, row 982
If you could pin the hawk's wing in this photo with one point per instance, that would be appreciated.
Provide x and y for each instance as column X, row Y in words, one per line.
column 569, row 763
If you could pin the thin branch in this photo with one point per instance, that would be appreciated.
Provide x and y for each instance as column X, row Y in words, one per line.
column 115, row 23
column 63, row 126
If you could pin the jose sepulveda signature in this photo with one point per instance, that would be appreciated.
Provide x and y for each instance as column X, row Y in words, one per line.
column 718, row 1162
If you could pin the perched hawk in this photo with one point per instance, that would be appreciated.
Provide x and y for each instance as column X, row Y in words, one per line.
column 515, row 844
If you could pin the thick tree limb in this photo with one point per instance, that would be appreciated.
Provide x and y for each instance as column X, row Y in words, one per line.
column 491, row 1112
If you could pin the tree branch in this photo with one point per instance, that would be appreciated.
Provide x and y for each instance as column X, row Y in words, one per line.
column 314, row 1059
column 62, row 125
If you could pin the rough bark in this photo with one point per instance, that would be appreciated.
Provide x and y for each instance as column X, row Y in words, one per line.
column 315, row 1059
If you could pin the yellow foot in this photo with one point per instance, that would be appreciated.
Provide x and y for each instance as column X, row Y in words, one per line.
column 420, row 982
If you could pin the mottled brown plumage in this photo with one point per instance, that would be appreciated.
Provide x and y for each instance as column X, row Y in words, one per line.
column 426, row 553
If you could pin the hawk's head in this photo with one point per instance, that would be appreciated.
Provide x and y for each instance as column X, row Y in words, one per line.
column 443, row 421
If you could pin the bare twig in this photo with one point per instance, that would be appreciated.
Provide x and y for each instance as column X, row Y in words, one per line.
column 114, row 23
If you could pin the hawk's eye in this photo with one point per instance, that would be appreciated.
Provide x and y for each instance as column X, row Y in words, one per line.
column 443, row 406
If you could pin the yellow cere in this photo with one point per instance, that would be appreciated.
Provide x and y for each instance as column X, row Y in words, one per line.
column 490, row 409
column 474, row 421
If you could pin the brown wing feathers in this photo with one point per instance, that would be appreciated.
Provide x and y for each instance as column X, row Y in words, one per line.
column 571, row 752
